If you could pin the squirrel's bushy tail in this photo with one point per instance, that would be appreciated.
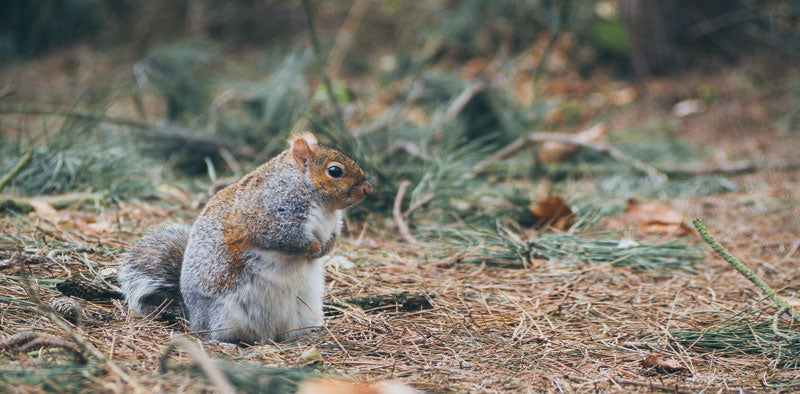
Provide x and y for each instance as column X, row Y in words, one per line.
column 150, row 273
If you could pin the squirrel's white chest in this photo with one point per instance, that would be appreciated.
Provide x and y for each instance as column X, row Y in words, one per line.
column 322, row 224
column 282, row 298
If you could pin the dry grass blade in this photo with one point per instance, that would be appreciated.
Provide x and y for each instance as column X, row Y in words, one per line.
column 199, row 356
column 402, row 226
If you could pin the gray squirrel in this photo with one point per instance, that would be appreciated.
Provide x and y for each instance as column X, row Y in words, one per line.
column 248, row 269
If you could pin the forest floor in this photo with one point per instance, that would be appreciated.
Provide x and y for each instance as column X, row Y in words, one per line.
column 490, row 327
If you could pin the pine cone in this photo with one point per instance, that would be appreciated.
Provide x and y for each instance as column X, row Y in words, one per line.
column 94, row 290
column 68, row 308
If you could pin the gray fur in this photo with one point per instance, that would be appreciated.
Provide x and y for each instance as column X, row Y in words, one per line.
column 149, row 273
column 249, row 269
column 281, row 286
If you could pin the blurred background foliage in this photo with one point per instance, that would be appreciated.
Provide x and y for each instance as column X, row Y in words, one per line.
column 418, row 90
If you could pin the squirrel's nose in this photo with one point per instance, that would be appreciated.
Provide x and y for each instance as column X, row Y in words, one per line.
column 366, row 188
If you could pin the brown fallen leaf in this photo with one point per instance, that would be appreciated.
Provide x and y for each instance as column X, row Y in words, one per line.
column 44, row 210
column 556, row 152
column 662, row 364
column 655, row 218
column 553, row 211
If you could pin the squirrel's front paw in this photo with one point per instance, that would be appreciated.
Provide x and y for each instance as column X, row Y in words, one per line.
column 315, row 249
column 327, row 247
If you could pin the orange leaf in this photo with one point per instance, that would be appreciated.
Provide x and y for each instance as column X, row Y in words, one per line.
column 655, row 218
column 554, row 211
column 44, row 210
column 662, row 364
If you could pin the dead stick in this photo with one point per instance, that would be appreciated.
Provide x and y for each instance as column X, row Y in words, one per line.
column 743, row 269
column 58, row 201
column 23, row 161
column 741, row 167
column 502, row 154
column 405, row 301
column 419, row 204
column 398, row 215
column 463, row 99
column 344, row 40
column 147, row 130
column 654, row 173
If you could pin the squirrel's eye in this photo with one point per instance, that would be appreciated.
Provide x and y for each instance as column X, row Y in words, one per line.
column 335, row 171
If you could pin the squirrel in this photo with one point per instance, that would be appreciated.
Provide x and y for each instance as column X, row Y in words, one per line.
column 249, row 268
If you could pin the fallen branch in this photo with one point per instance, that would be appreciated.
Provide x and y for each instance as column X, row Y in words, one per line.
column 738, row 168
column 23, row 205
column 169, row 139
column 398, row 215
column 404, row 301
column 168, row 136
column 462, row 100
column 653, row 173
column 26, row 341
column 23, row 161
column 419, row 204
column 744, row 270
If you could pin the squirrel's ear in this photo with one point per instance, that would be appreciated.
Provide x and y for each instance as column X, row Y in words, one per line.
column 301, row 153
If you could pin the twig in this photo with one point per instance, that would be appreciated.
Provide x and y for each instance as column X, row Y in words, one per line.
column 775, row 328
column 7, row 90
column 315, row 46
column 508, row 151
column 28, row 340
column 743, row 269
column 9, row 176
column 17, row 339
column 413, row 95
column 231, row 161
column 49, row 341
column 73, row 113
column 458, row 105
column 398, row 215
column 742, row 167
column 161, row 133
column 404, row 301
column 58, row 201
column 419, row 204
column 463, row 99
column 653, row 173
column 563, row 15
column 202, row 360
column 344, row 40
column 790, row 253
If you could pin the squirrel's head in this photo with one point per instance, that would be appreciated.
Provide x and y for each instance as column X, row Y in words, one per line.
column 336, row 177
